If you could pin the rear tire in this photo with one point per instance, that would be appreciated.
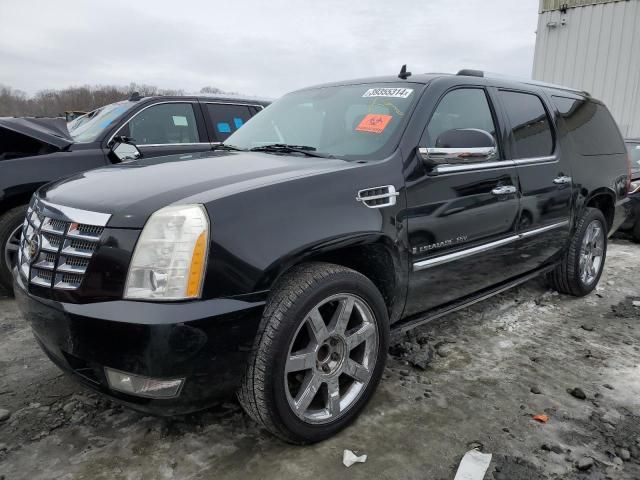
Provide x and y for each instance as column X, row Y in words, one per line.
column 10, row 225
column 319, row 353
column 581, row 267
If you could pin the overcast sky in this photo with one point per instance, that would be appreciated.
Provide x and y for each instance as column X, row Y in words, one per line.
column 253, row 46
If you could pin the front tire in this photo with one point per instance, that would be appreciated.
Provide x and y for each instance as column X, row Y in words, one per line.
column 636, row 231
column 583, row 263
column 319, row 353
column 10, row 230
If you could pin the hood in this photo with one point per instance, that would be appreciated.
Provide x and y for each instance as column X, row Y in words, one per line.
column 52, row 131
column 132, row 191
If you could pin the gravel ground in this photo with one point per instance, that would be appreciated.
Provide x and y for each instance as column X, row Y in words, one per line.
column 474, row 379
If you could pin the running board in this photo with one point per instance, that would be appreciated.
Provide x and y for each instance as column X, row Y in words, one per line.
column 412, row 322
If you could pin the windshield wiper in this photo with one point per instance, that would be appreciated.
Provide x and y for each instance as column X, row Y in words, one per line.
column 286, row 148
column 225, row 146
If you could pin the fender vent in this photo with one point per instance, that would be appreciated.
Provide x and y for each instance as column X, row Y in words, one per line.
column 378, row 197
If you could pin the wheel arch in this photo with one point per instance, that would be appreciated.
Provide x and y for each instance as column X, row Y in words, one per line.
column 373, row 255
column 604, row 200
column 18, row 195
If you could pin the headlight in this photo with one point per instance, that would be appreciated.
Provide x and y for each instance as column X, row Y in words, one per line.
column 170, row 258
column 635, row 187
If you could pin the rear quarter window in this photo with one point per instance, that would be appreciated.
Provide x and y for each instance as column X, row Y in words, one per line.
column 593, row 129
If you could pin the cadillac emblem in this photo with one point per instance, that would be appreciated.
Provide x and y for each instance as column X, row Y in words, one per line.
column 33, row 246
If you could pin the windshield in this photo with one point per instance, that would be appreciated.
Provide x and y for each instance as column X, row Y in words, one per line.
column 634, row 153
column 348, row 121
column 89, row 127
column 72, row 124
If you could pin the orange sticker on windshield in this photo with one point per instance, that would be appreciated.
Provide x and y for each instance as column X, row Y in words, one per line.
column 374, row 123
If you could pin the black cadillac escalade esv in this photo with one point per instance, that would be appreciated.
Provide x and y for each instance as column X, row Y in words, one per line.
column 35, row 151
column 279, row 265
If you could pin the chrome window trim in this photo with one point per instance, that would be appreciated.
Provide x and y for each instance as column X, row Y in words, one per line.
column 71, row 214
column 173, row 144
column 210, row 102
column 450, row 257
column 535, row 160
column 470, row 167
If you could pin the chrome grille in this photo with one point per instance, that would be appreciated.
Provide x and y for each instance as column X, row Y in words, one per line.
column 61, row 247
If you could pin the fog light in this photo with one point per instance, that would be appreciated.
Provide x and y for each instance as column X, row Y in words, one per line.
column 143, row 386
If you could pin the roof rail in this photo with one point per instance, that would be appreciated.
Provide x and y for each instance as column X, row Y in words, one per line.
column 498, row 76
column 557, row 87
column 467, row 72
column 537, row 83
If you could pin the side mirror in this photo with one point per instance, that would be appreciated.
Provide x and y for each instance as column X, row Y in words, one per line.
column 125, row 151
column 464, row 145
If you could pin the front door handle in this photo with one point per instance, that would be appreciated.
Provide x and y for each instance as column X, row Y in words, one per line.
column 504, row 190
column 562, row 180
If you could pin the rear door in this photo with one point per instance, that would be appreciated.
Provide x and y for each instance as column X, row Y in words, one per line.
column 167, row 128
column 462, row 220
column 544, row 171
column 222, row 119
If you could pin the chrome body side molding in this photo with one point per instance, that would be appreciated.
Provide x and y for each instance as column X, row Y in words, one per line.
column 473, row 166
column 450, row 257
column 535, row 161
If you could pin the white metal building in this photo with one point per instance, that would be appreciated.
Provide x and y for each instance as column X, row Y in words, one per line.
column 593, row 45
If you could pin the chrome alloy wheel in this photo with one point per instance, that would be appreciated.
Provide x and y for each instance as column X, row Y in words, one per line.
column 331, row 358
column 591, row 252
column 11, row 248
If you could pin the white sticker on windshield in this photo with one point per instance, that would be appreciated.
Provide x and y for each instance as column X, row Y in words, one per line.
column 180, row 121
column 388, row 92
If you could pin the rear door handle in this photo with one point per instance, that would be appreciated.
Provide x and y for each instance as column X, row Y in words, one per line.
column 504, row 190
column 562, row 180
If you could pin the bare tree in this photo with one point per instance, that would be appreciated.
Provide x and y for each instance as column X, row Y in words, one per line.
column 53, row 103
column 211, row 90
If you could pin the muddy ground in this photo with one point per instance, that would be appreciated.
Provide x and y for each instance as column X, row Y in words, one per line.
column 472, row 379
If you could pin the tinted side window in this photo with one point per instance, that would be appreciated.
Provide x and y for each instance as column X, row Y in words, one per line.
column 592, row 127
column 226, row 119
column 461, row 108
column 531, row 127
column 167, row 123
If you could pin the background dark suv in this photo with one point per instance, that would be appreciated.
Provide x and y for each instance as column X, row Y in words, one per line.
column 633, row 223
column 34, row 151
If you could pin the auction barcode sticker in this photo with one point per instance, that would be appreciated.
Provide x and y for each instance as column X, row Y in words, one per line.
column 388, row 92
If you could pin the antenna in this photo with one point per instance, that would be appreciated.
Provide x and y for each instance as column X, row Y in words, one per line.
column 135, row 96
column 403, row 73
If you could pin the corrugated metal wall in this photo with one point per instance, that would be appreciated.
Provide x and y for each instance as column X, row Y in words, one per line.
column 594, row 48
column 558, row 4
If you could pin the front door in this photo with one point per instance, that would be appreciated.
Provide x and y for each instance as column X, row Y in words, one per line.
column 462, row 220
column 544, row 171
column 168, row 128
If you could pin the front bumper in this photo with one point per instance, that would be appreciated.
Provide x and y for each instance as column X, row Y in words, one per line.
column 206, row 342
